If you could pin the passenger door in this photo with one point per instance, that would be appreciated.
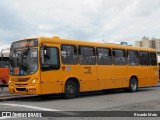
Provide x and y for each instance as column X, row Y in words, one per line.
column 50, row 70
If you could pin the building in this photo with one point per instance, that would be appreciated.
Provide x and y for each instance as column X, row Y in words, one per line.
column 149, row 43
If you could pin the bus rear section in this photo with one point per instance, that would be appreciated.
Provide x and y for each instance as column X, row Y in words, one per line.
column 4, row 76
column 4, row 67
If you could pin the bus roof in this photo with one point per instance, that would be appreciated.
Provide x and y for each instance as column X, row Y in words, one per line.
column 88, row 43
column 58, row 40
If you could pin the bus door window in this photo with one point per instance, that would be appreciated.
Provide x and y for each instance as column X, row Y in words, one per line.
column 69, row 54
column 51, row 59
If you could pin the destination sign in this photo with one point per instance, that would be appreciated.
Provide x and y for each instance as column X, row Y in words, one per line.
column 25, row 44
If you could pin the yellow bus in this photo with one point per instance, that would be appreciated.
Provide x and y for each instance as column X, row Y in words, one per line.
column 44, row 65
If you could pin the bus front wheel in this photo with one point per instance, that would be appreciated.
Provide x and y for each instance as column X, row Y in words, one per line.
column 133, row 86
column 70, row 89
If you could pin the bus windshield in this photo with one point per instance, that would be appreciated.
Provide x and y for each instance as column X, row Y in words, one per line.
column 23, row 62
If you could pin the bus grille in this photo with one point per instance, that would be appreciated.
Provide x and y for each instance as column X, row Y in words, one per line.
column 22, row 79
column 21, row 84
column 21, row 89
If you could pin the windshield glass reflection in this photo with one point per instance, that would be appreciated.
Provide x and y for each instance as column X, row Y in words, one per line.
column 23, row 62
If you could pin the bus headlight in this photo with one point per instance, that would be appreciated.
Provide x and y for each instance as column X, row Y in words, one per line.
column 10, row 83
column 33, row 82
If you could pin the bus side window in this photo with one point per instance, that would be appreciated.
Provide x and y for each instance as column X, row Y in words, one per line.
column 119, row 57
column 153, row 59
column 132, row 57
column 144, row 58
column 87, row 55
column 69, row 54
column 104, row 56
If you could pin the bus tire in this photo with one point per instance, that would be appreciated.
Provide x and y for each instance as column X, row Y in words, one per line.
column 133, row 86
column 70, row 89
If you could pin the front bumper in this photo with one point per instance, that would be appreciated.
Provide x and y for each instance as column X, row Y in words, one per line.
column 26, row 90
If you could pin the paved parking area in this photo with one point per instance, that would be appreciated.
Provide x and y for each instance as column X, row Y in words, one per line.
column 5, row 95
column 146, row 99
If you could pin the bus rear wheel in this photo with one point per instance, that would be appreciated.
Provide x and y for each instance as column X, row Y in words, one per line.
column 70, row 89
column 133, row 86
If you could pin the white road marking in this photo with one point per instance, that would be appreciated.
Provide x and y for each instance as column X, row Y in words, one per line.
column 2, row 118
column 26, row 106
column 36, row 108
column 29, row 106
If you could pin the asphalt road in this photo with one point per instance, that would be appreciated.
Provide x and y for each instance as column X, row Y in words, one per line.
column 146, row 99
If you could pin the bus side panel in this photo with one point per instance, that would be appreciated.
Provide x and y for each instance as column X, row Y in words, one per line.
column 104, row 75
column 143, row 74
column 133, row 71
column 70, row 71
column 154, row 75
column 51, row 82
column 119, row 74
column 146, row 75
column 86, row 74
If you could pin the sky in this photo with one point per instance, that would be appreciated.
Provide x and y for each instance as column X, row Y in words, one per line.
column 110, row 21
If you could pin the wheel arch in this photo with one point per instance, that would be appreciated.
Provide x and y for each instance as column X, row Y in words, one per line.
column 74, row 79
column 133, row 84
column 134, row 76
